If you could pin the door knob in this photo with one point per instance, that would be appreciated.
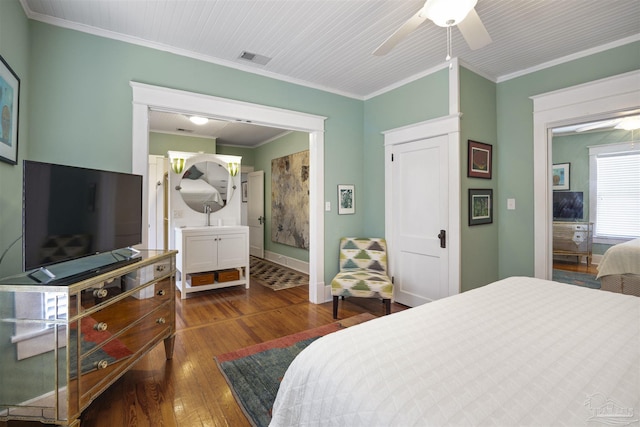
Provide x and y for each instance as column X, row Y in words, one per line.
column 443, row 238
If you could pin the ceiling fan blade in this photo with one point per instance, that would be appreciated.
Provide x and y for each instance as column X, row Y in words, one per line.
column 473, row 31
column 395, row 38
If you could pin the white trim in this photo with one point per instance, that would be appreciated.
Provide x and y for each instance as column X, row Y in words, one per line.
column 285, row 261
column 449, row 126
column 147, row 96
column 606, row 97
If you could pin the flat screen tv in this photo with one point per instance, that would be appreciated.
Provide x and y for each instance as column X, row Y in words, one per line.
column 71, row 212
column 567, row 205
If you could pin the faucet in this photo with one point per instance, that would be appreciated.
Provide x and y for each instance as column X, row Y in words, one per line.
column 207, row 211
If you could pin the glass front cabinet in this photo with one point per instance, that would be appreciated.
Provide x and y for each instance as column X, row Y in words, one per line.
column 65, row 339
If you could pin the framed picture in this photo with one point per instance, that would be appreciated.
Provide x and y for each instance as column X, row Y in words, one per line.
column 480, row 206
column 479, row 155
column 560, row 175
column 245, row 192
column 9, row 101
column 346, row 199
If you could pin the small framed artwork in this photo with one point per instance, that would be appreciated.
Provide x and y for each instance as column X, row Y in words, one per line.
column 245, row 192
column 9, row 101
column 480, row 206
column 560, row 175
column 479, row 155
column 346, row 199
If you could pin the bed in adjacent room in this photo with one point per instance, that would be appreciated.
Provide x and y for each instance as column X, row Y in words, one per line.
column 619, row 269
column 520, row 351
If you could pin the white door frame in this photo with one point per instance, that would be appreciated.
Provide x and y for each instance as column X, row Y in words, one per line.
column 148, row 96
column 449, row 126
column 608, row 97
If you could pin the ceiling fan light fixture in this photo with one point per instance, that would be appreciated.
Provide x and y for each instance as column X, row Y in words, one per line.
column 629, row 123
column 446, row 13
column 198, row 120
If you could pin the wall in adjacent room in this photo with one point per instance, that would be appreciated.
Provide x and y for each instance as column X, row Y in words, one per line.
column 160, row 143
column 292, row 142
column 574, row 149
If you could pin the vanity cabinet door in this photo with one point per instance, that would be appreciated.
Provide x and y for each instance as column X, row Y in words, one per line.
column 201, row 253
column 232, row 250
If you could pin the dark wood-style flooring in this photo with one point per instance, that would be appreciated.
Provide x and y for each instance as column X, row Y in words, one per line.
column 189, row 391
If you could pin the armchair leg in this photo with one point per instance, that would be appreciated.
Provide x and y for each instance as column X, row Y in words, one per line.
column 387, row 306
column 335, row 307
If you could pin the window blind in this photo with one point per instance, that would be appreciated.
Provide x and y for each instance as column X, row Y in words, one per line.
column 618, row 195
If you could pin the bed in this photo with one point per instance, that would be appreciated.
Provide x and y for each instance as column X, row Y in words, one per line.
column 520, row 351
column 619, row 269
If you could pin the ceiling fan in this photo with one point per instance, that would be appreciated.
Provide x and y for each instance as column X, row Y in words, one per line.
column 444, row 13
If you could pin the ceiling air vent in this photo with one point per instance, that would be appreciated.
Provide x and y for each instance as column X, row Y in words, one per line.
column 184, row 130
column 254, row 57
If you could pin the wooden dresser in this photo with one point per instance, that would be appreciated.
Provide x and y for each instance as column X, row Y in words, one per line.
column 119, row 311
column 573, row 239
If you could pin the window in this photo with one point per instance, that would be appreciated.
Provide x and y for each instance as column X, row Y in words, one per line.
column 615, row 192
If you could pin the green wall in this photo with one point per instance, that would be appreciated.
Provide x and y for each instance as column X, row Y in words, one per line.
column 15, row 40
column 160, row 143
column 515, row 140
column 424, row 99
column 479, row 243
column 92, row 77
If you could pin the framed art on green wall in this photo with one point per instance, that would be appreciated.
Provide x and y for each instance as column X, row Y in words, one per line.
column 480, row 206
column 9, row 100
column 561, row 176
column 479, row 155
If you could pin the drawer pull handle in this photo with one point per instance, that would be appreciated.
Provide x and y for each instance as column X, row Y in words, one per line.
column 100, row 326
column 102, row 364
column 162, row 292
column 161, row 321
column 100, row 293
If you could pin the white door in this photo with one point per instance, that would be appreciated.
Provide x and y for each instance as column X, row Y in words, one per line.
column 420, row 220
column 157, row 169
column 255, row 212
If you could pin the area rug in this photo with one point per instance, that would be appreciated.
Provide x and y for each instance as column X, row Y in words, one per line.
column 575, row 278
column 254, row 373
column 275, row 276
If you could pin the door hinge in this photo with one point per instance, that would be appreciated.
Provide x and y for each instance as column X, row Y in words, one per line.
column 392, row 157
column 393, row 280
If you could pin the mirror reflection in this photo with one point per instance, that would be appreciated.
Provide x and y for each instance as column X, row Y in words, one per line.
column 205, row 187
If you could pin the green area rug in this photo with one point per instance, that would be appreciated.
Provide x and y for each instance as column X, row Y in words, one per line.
column 574, row 278
column 254, row 373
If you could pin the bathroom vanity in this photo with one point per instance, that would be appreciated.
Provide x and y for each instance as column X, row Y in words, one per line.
column 215, row 250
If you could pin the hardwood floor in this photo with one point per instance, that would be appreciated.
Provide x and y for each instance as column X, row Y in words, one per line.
column 576, row 267
column 189, row 390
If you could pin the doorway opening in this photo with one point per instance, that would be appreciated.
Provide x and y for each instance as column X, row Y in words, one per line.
column 146, row 97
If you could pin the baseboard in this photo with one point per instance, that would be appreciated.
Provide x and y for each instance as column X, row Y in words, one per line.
column 292, row 263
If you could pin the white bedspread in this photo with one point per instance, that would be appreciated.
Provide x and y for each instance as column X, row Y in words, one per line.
column 520, row 351
column 621, row 259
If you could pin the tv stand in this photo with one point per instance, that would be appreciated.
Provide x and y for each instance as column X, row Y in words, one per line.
column 573, row 239
column 49, row 374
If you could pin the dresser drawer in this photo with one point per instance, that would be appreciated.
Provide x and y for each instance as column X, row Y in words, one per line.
column 101, row 325
column 103, row 293
column 102, row 364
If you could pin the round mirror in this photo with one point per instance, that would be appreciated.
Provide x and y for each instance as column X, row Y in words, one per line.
column 206, row 184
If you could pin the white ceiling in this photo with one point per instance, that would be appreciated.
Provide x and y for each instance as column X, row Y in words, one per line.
column 225, row 132
column 328, row 44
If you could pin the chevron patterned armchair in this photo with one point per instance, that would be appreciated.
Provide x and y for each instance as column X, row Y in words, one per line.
column 363, row 272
